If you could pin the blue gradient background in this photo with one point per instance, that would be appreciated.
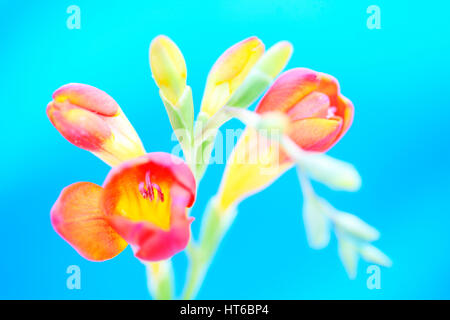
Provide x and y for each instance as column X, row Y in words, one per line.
column 397, row 78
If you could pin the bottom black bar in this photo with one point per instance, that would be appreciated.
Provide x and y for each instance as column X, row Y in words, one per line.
column 224, row 309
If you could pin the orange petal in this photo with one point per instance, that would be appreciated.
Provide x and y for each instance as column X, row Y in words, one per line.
column 146, row 200
column 315, row 134
column 228, row 73
column 304, row 93
column 345, row 110
column 78, row 219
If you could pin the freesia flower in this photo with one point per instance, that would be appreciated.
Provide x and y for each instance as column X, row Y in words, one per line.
column 319, row 116
column 142, row 202
column 90, row 119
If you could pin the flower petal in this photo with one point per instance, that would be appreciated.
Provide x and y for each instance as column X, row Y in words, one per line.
column 151, row 243
column 146, row 200
column 78, row 219
column 314, row 105
column 288, row 90
column 315, row 134
column 295, row 85
column 89, row 97
column 82, row 128
column 346, row 111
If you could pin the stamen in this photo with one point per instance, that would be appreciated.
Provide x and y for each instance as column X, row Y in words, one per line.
column 149, row 186
column 142, row 190
column 146, row 189
column 331, row 112
column 160, row 193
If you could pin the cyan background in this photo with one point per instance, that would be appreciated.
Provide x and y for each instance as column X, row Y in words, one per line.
column 397, row 78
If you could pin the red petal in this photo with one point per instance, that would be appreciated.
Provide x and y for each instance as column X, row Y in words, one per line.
column 82, row 128
column 87, row 97
column 151, row 243
column 289, row 89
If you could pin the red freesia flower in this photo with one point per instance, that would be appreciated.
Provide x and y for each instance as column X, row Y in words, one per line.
column 142, row 202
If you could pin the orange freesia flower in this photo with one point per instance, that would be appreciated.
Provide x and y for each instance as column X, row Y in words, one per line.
column 319, row 116
column 90, row 119
column 142, row 202
column 144, row 198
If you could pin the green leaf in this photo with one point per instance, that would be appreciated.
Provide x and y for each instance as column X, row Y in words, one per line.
column 252, row 87
column 336, row 174
column 374, row 255
column 348, row 254
column 181, row 118
column 317, row 223
column 354, row 226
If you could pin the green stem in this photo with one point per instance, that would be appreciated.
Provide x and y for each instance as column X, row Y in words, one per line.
column 214, row 226
column 307, row 189
column 160, row 279
column 196, row 274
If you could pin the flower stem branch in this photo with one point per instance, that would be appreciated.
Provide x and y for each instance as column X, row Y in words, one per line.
column 160, row 279
column 215, row 224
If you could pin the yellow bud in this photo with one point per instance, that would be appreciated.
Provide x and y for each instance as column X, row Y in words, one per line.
column 228, row 73
column 168, row 68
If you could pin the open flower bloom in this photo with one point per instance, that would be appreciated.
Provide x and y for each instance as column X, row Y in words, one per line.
column 142, row 202
column 90, row 119
column 319, row 116
column 228, row 73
